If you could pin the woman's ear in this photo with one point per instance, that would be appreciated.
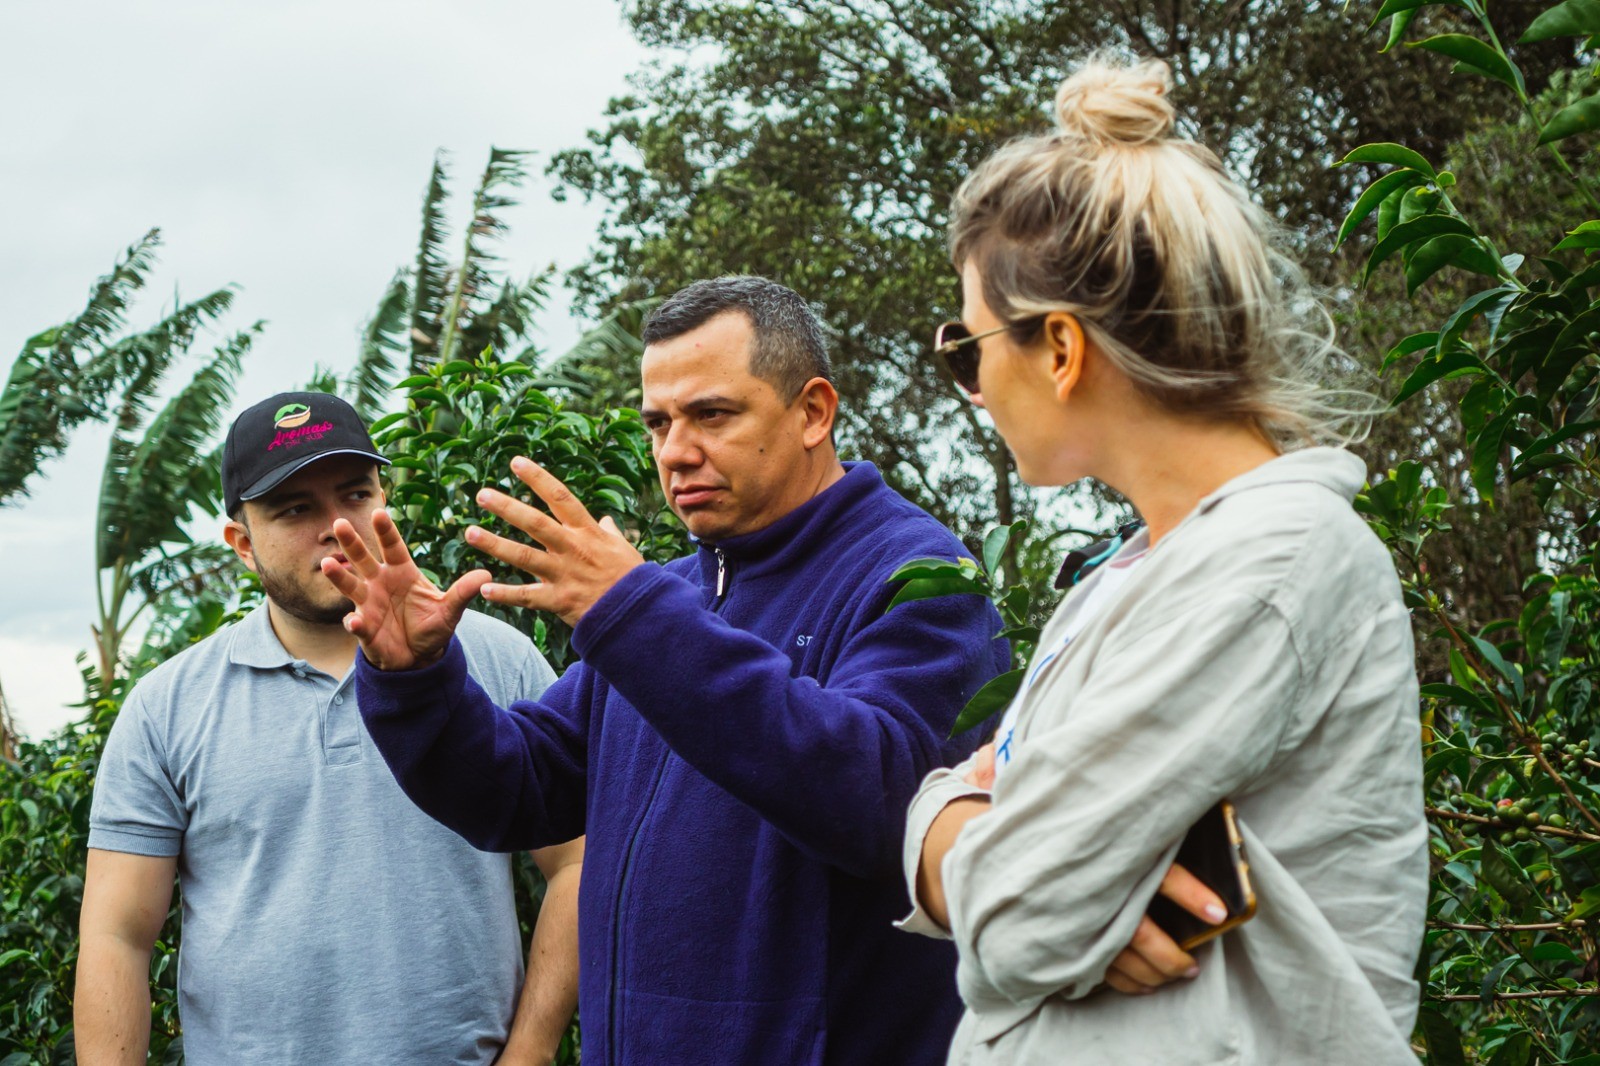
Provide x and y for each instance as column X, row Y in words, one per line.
column 1063, row 336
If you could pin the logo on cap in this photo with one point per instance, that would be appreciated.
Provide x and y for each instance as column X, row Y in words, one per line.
column 291, row 415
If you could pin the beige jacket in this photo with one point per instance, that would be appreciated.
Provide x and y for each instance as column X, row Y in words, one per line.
column 1260, row 652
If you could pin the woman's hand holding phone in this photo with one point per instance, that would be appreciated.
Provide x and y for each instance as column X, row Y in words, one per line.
column 1152, row 958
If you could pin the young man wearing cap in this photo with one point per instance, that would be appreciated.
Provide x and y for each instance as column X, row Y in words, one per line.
column 326, row 920
column 747, row 727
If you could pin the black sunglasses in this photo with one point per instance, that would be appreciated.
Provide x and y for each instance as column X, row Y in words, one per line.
column 958, row 345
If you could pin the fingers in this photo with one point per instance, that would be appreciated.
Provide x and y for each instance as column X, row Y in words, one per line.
column 982, row 772
column 563, row 504
column 519, row 555
column 392, row 550
column 1190, row 893
column 458, row 595
column 532, row 521
column 1130, row 973
column 534, row 597
column 354, row 548
column 353, row 587
column 1150, row 960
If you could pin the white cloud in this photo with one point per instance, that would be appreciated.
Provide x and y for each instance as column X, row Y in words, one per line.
column 283, row 147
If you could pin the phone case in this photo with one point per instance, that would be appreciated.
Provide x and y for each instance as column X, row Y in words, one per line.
column 1213, row 851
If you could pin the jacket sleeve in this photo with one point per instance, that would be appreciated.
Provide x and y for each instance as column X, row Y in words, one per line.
column 1047, row 887
column 832, row 766
column 504, row 779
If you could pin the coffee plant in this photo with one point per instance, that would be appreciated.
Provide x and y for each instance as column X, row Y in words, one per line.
column 1509, row 962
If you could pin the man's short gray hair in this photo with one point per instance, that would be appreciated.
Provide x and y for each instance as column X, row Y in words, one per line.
column 789, row 349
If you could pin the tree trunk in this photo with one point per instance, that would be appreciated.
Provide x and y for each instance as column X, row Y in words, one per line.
column 8, row 734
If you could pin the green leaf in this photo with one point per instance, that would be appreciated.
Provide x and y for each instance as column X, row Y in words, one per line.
column 1444, row 1043
column 1401, row 7
column 1414, row 343
column 1450, row 250
column 1490, row 304
column 1575, row 18
column 926, row 588
column 1570, row 347
column 8, row 957
column 1588, row 904
column 1580, row 117
column 1449, row 365
column 386, row 421
column 1475, row 56
column 992, row 697
column 1553, row 952
column 1585, row 236
column 1407, row 233
column 1501, row 873
column 1394, row 155
column 994, row 547
column 1507, row 670
column 1398, row 25
column 1457, row 695
column 939, row 568
column 1375, row 194
column 416, row 381
column 1516, row 1050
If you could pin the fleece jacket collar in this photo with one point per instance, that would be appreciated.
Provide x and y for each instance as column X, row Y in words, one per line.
column 795, row 537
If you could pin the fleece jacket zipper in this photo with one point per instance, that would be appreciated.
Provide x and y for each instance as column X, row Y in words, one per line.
column 613, row 1028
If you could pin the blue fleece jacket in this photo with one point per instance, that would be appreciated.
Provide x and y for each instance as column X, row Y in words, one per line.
column 742, row 763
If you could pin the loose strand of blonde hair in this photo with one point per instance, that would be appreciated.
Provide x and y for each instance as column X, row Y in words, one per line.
column 1174, row 273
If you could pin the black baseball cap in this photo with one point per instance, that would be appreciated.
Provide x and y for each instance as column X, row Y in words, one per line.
column 284, row 433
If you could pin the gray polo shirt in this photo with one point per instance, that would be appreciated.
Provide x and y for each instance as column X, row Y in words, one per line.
column 326, row 919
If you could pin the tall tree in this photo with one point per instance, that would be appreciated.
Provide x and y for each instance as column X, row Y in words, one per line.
column 819, row 142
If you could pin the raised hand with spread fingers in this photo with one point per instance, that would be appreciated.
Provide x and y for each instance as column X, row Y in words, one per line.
column 403, row 620
column 581, row 558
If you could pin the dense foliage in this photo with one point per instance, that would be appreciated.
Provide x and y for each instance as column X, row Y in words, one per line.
column 1510, row 722
column 819, row 141
column 457, row 422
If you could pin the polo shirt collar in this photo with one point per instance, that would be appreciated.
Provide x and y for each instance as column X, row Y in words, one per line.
column 255, row 643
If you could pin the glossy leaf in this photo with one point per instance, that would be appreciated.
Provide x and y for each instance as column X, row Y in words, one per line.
column 1390, row 154
column 1466, row 253
column 1584, row 236
column 1374, row 195
column 925, row 588
column 994, row 548
column 1475, row 55
column 1580, row 117
column 1452, row 364
column 1574, row 18
column 989, row 700
column 1408, row 233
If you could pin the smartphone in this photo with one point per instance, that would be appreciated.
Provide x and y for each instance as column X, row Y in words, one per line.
column 1214, row 852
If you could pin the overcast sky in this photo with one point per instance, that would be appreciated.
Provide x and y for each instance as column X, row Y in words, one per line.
column 282, row 147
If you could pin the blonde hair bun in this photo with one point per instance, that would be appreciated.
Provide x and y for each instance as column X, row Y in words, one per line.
column 1112, row 104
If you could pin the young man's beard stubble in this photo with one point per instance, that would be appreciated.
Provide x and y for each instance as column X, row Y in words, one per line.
column 293, row 599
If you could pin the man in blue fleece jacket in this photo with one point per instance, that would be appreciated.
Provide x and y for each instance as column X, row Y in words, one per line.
column 747, row 725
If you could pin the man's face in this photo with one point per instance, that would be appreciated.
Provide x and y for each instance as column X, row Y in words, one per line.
column 731, row 452
column 288, row 532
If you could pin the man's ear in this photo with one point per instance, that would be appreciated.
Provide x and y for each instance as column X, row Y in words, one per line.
column 237, row 536
column 1063, row 335
column 819, row 403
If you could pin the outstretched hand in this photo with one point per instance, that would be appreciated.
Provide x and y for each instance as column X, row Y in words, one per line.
column 581, row 559
column 403, row 620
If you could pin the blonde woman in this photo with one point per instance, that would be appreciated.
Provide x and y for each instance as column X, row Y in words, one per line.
column 1127, row 318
